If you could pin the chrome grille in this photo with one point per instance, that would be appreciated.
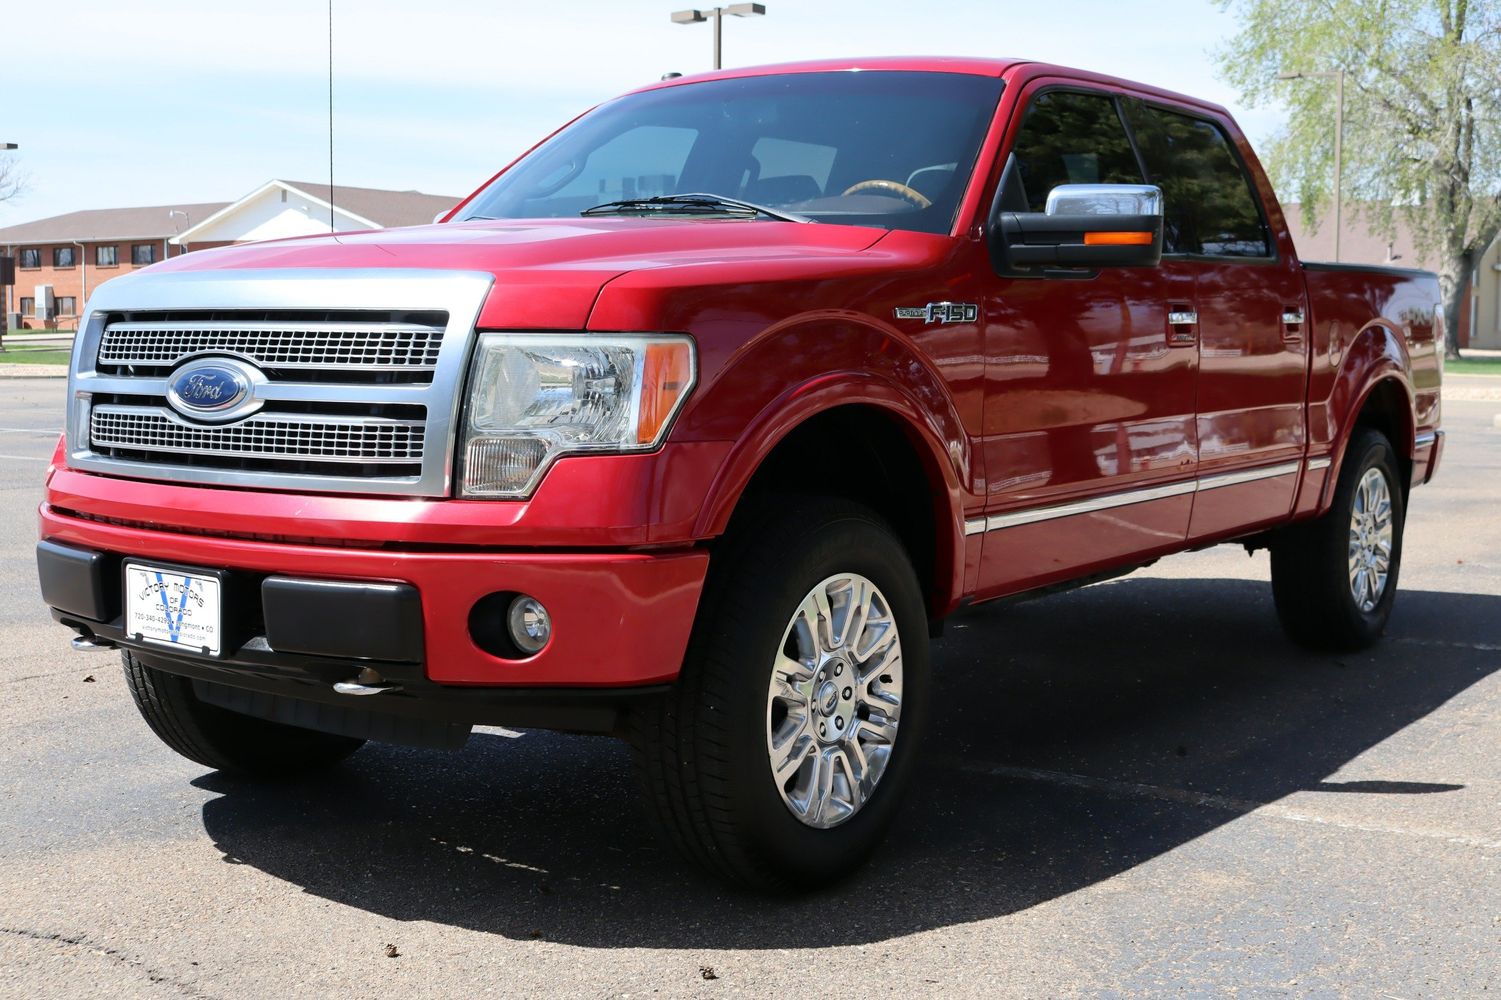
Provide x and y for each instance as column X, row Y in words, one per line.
column 282, row 437
column 360, row 374
column 297, row 345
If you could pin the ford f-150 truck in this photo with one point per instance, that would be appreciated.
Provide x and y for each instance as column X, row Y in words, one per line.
column 695, row 422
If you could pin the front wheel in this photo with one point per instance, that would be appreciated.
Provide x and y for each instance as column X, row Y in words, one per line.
column 223, row 740
column 1334, row 579
column 779, row 760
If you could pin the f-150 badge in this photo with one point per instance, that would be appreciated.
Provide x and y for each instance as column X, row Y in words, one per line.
column 941, row 312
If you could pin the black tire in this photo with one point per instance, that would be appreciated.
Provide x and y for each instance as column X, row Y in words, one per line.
column 223, row 740
column 702, row 751
column 1311, row 562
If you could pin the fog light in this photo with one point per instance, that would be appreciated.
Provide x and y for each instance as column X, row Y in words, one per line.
column 531, row 625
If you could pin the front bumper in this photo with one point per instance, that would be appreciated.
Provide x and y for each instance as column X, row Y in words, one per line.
column 621, row 620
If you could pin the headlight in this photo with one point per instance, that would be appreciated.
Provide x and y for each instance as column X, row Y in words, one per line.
column 534, row 397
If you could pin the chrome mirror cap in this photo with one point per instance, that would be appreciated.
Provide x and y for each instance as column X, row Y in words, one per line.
column 1104, row 199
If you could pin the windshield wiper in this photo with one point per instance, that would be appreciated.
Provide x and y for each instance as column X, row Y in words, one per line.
column 692, row 204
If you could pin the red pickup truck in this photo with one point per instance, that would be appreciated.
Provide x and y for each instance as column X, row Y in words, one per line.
column 695, row 422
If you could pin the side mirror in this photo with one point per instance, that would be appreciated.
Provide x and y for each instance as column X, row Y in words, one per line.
column 1082, row 226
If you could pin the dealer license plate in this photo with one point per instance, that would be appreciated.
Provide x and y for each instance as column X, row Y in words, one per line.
column 171, row 607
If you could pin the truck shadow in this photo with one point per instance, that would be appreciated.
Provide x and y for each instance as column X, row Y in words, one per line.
column 1074, row 738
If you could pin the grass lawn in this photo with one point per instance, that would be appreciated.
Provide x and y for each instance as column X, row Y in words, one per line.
column 35, row 357
column 1473, row 366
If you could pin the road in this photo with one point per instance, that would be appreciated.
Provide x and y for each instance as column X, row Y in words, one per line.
column 1136, row 789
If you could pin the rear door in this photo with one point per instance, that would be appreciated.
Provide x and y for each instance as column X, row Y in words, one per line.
column 1089, row 406
column 1249, row 301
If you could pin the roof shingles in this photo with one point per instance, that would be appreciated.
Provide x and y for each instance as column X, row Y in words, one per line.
column 386, row 209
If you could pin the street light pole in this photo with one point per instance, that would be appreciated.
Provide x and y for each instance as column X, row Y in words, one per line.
column 717, row 15
column 1338, row 76
column 187, row 220
column 5, row 319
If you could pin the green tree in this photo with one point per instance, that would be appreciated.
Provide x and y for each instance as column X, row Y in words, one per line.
column 1422, row 114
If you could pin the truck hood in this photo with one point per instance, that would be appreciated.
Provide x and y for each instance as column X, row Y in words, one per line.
column 549, row 272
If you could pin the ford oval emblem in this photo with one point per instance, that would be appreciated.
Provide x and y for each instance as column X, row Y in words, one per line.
column 214, row 389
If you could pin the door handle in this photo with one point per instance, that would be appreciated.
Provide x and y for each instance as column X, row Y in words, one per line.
column 1292, row 323
column 1182, row 326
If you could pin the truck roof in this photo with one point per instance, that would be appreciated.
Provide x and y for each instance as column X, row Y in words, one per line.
column 930, row 64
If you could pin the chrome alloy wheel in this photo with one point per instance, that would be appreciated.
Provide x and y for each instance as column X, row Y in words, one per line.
column 1370, row 539
column 834, row 701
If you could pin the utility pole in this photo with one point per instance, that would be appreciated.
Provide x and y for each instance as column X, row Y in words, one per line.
column 717, row 15
column 1338, row 76
column 5, row 319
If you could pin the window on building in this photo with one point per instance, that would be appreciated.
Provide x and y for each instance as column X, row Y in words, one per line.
column 64, row 257
column 142, row 254
column 1068, row 138
column 107, row 256
column 67, row 305
column 31, row 257
column 1208, row 205
column 28, row 306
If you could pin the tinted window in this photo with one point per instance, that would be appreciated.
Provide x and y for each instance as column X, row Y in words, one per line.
column 637, row 163
column 798, row 141
column 62, row 257
column 1209, row 207
column 1068, row 138
column 143, row 253
column 106, row 256
column 31, row 257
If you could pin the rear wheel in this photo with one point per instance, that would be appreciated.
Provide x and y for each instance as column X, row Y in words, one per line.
column 780, row 758
column 223, row 740
column 1335, row 579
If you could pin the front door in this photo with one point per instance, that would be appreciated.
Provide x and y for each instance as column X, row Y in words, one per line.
column 1089, row 428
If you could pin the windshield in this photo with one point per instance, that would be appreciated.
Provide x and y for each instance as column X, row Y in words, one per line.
column 887, row 149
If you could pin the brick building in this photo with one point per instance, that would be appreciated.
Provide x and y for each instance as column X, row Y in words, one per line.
column 72, row 254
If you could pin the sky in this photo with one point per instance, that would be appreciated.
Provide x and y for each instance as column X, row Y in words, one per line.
column 168, row 101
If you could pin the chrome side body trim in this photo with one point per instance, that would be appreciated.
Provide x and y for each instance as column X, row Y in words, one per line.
column 1425, row 439
column 1020, row 517
column 1248, row 476
column 1012, row 519
column 459, row 293
column 1319, row 464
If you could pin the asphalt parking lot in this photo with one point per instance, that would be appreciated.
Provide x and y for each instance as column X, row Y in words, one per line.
column 1137, row 789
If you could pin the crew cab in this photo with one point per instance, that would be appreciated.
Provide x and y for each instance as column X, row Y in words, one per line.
column 695, row 422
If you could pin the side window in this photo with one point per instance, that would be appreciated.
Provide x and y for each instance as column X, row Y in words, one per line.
column 1208, row 203
column 1068, row 138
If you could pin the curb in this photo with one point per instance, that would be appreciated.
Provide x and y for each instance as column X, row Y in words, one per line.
column 32, row 371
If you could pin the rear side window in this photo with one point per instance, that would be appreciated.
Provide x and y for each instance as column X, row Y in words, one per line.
column 1209, row 206
column 1068, row 138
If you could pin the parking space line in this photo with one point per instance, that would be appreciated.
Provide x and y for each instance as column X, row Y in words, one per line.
column 39, row 431
column 1183, row 796
column 23, row 458
column 1483, row 647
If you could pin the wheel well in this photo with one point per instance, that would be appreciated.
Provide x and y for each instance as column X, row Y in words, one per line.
column 1387, row 410
column 823, row 455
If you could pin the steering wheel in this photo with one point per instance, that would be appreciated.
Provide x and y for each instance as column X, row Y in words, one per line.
column 891, row 187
